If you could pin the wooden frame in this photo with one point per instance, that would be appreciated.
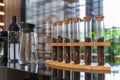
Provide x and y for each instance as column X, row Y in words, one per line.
column 93, row 68
column 80, row 44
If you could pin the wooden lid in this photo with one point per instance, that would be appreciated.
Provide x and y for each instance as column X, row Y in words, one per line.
column 87, row 18
column 76, row 19
column 99, row 18
column 60, row 22
column 54, row 23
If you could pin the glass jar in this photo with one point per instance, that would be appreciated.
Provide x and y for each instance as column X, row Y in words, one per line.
column 76, row 39
column 28, row 44
column 14, row 40
column 88, row 38
column 100, row 38
column 54, row 40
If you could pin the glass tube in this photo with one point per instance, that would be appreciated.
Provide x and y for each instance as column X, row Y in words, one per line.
column 100, row 38
column 76, row 37
column 76, row 49
column 54, row 48
column 88, row 38
column 54, row 40
column 60, row 40
column 67, row 39
column 60, row 48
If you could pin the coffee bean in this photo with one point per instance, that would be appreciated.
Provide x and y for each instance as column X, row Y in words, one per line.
column 60, row 49
column 76, row 75
column 87, row 52
column 76, row 53
column 100, row 52
column 60, row 74
column 87, row 76
column 67, row 51
column 101, row 76
column 55, row 72
column 54, row 50
column 67, row 75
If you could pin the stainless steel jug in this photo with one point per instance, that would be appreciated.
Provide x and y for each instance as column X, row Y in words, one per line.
column 28, row 44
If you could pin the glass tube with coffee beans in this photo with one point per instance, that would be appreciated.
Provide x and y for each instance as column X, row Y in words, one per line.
column 100, row 38
column 88, row 38
column 76, row 49
column 54, row 40
column 60, row 48
column 67, row 39
column 54, row 48
column 76, row 39
column 60, row 40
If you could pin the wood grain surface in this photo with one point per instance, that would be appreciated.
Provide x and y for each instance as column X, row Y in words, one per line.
column 80, row 44
column 93, row 68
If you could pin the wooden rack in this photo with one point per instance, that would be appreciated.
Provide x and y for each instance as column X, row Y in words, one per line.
column 93, row 68
column 79, row 44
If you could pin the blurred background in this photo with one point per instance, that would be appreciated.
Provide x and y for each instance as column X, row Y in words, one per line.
column 43, row 12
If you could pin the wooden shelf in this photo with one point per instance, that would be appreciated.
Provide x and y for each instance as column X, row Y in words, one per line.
column 80, row 44
column 93, row 68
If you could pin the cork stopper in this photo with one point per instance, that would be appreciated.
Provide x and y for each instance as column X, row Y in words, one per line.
column 76, row 19
column 87, row 18
column 60, row 22
column 99, row 18
column 66, row 21
column 54, row 23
